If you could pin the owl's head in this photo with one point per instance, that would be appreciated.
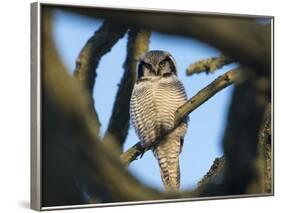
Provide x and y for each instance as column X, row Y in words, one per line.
column 156, row 63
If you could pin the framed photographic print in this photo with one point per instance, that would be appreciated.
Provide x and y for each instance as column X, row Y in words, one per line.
column 138, row 105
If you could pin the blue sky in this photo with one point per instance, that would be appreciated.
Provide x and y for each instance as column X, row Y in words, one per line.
column 206, row 125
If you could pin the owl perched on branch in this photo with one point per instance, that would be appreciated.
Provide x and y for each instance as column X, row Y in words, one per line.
column 156, row 96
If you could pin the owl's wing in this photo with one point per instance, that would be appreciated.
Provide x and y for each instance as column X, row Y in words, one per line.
column 143, row 113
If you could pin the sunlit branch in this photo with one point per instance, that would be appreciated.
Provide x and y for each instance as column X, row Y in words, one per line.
column 208, row 65
column 201, row 97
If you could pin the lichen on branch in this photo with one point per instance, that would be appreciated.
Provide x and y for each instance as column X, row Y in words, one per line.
column 208, row 65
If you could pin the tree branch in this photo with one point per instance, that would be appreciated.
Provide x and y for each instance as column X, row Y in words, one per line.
column 69, row 138
column 75, row 162
column 201, row 97
column 208, row 65
column 97, row 46
column 117, row 130
column 263, row 182
column 77, row 167
column 245, row 118
column 214, row 173
column 242, row 39
column 247, row 135
column 264, row 162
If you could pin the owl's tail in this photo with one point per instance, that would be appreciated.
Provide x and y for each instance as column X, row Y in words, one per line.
column 167, row 153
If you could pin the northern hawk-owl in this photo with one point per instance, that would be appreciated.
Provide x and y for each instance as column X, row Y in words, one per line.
column 156, row 96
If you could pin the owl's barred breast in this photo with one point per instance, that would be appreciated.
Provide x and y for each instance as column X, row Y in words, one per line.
column 153, row 105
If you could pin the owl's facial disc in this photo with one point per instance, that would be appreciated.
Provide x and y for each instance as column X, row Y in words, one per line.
column 156, row 63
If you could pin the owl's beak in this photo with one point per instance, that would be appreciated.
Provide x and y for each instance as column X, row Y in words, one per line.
column 155, row 69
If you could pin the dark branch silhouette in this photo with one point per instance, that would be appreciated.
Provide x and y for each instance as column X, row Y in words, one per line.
column 242, row 39
column 214, row 174
column 78, row 168
column 240, row 142
column 96, row 47
column 117, row 130
column 264, row 162
column 75, row 161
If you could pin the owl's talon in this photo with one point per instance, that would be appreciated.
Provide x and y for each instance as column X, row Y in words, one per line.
column 142, row 153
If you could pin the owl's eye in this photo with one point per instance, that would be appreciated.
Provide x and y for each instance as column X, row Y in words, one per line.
column 162, row 64
column 148, row 66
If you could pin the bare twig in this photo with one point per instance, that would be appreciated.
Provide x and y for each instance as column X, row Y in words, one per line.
column 97, row 46
column 208, row 65
column 119, row 122
column 201, row 97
